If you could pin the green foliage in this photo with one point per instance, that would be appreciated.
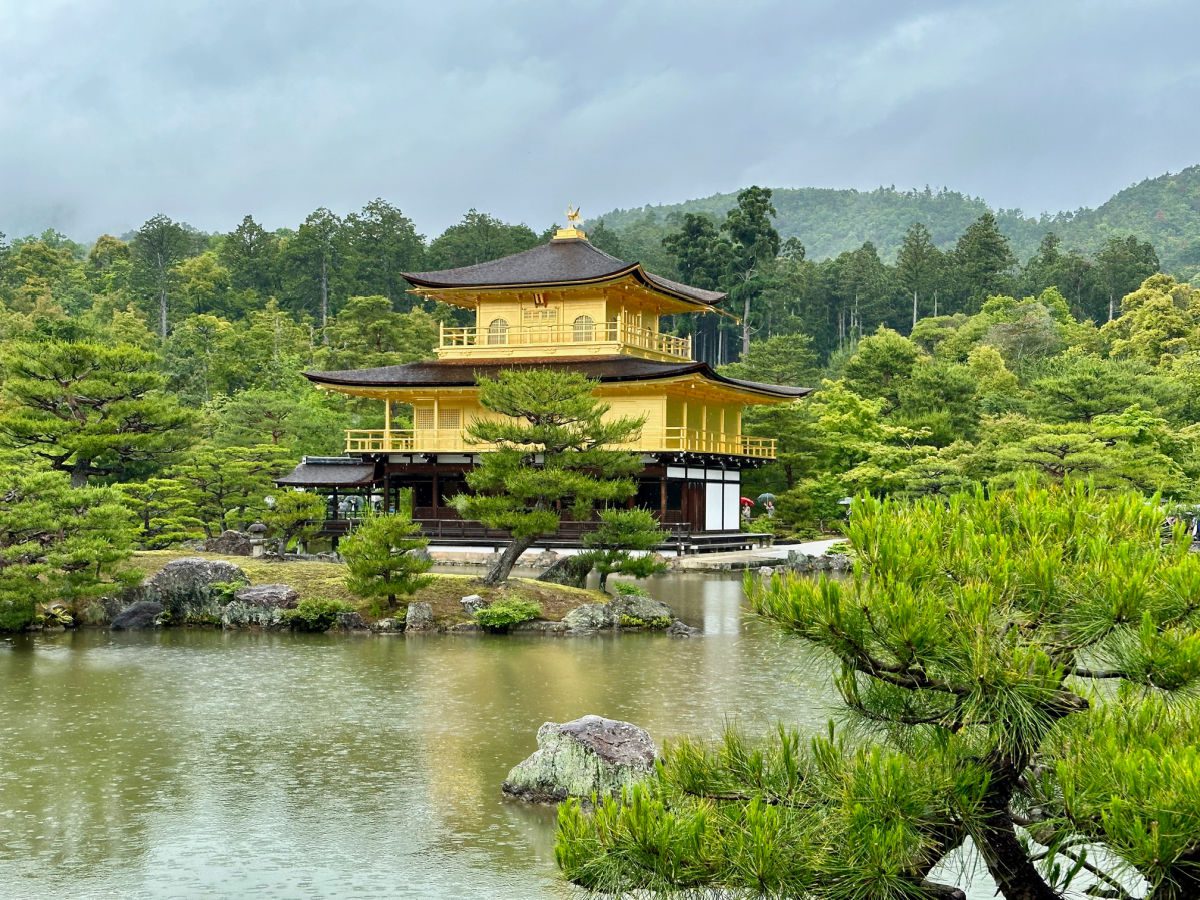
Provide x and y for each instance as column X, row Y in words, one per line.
column 162, row 508
column 478, row 238
column 294, row 516
column 629, row 589
column 553, row 450
column 385, row 557
column 57, row 543
column 619, row 535
column 970, row 644
column 228, row 486
column 315, row 614
column 503, row 614
column 88, row 409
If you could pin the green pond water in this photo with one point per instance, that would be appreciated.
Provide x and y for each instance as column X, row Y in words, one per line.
column 197, row 763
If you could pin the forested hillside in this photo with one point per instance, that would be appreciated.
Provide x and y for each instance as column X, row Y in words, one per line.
column 151, row 386
column 1164, row 211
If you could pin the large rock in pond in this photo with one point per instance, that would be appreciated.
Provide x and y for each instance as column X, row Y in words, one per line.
column 632, row 611
column 231, row 543
column 591, row 755
column 193, row 590
column 589, row 617
column 260, row 605
column 418, row 617
column 143, row 614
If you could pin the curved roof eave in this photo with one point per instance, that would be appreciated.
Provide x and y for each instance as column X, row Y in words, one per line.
column 393, row 376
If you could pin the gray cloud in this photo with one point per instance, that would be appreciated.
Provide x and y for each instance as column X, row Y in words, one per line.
column 112, row 111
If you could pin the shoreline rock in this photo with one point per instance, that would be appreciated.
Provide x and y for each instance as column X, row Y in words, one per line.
column 589, row 755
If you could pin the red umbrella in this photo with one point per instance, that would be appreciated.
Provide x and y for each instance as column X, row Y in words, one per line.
column 746, row 501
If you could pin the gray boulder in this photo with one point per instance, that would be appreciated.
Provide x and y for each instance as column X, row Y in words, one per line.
column 194, row 590
column 419, row 617
column 388, row 626
column 681, row 629
column 545, row 559
column 570, row 570
column 641, row 612
column 350, row 621
column 231, row 543
column 268, row 596
column 259, row 606
column 473, row 603
column 591, row 755
column 143, row 614
column 588, row 618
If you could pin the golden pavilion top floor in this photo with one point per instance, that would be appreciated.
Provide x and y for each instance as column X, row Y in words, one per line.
column 562, row 298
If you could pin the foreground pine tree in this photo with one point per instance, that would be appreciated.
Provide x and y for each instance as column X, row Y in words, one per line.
column 1017, row 668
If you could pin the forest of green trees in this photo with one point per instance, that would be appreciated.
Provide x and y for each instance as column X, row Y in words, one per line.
column 151, row 384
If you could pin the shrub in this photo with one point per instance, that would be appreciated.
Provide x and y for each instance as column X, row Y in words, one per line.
column 315, row 614
column 503, row 614
column 15, row 613
column 629, row 589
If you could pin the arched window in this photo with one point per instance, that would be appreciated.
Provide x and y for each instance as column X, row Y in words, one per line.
column 498, row 331
column 585, row 329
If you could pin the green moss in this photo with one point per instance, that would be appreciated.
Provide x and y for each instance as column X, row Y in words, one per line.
column 658, row 622
column 315, row 614
column 503, row 614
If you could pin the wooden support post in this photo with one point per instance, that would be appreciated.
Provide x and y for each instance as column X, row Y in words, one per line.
column 387, row 424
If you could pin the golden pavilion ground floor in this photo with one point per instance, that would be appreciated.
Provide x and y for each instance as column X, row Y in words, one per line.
column 696, row 497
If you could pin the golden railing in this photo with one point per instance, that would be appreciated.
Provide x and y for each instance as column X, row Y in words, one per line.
column 617, row 332
column 448, row 440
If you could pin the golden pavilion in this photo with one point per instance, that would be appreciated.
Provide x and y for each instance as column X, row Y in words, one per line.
column 562, row 305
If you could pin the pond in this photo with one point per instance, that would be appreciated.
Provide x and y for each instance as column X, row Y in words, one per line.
column 197, row 763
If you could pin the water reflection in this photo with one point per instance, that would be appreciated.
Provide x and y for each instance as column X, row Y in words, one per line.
column 191, row 763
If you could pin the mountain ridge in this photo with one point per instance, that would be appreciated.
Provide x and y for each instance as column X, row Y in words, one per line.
column 1164, row 210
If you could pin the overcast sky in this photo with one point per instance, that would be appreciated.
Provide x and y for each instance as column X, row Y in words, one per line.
column 210, row 109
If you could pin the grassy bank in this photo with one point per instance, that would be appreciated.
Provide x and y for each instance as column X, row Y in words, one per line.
column 328, row 580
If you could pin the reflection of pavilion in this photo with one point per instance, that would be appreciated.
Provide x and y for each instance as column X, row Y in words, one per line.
column 562, row 305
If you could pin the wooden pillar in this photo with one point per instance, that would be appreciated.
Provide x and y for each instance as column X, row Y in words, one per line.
column 662, row 498
column 436, row 492
column 704, row 426
column 387, row 423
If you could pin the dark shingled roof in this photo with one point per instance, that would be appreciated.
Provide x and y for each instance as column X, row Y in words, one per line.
column 329, row 472
column 559, row 262
column 607, row 369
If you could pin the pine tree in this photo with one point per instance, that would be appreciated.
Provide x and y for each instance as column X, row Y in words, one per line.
column 552, row 451
column 58, row 543
column 971, row 642
column 385, row 557
column 88, row 409
column 620, row 534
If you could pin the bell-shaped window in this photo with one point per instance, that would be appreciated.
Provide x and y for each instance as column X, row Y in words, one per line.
column 585, row 328
column 498, row 331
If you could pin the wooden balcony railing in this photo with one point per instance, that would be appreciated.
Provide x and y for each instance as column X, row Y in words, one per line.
column 447, row 440
column 569, row 335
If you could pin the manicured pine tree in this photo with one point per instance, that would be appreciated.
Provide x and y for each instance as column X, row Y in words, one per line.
column 57, row 543
column 620, row 534
column 554, row 449
column 385, row 557
column 89, row 410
